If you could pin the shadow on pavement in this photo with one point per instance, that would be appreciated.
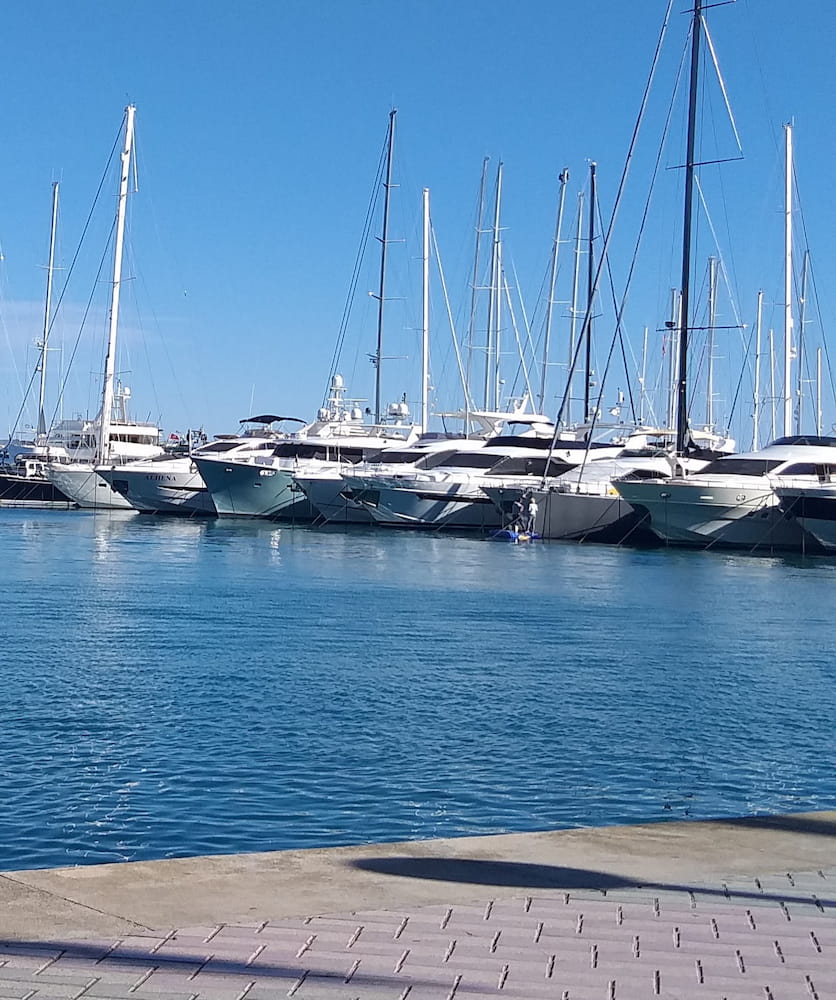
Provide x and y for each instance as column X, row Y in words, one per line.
column 536, row 876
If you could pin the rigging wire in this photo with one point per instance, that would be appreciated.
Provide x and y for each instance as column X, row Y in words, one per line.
column 618, row 198
column 358, row 264
column 70, row 271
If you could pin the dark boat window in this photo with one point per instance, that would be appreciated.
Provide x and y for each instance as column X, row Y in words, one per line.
column 647, row 474
column 470, row 460
column 528, row 466
column 800, row 469
column 217, row 446
column 394, row 457
column 515, row 441
column 741, row 466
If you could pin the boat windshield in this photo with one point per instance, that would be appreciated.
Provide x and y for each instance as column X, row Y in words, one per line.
column 741, row 466
column 527, row 466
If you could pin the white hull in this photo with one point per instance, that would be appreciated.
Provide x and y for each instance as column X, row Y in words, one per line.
column 814, row 508
column 332, row 501
column 171, row 487
column 703, row 514
column 428, row 504
column 254, row 490
column 588, row 515
column 85, row 487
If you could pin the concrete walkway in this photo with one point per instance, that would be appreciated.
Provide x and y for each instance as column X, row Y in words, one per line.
column 728, row 909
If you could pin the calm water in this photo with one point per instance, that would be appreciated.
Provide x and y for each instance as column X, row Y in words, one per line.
column 181, row 687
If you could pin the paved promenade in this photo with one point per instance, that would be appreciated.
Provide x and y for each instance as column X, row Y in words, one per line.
column 728, row 909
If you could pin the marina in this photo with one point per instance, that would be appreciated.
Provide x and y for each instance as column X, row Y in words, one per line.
column 491, row 654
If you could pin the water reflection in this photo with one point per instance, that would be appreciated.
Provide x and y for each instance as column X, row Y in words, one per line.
column 185, row 686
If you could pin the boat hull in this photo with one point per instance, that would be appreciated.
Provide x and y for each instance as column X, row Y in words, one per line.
column 32, row 491
column 86, row 488
column 173, row 491
column 427, row 505
column 239, row 490
column 701, row 514
column 578, row 516
column 815, row 510
column 332, row 500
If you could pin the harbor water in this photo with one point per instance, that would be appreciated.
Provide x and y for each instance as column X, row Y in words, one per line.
column 176, row 687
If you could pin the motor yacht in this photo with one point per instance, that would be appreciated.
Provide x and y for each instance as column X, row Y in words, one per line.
column 732, row 502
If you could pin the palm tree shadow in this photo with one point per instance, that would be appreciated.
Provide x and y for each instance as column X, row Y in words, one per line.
column 523, row 875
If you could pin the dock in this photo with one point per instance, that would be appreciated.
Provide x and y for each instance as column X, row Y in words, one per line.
column 731, row 908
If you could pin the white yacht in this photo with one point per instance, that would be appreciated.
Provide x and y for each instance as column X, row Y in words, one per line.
column 448, row 489
column 74, row 448
column 813, row 506
column 111, row 437
column 263, row 485
column 732, row 501
column 171, row 484
column 332, row 498
column 582, row 503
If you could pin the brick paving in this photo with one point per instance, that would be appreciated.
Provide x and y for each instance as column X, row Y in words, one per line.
column 768, row 938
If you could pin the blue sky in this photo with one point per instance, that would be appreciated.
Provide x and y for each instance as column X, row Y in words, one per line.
column 260, row 127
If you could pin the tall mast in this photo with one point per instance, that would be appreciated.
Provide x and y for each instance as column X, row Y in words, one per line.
column 674, row 323
column 573, row 309
column 712, row 319
column 787, row 279
column 47, row 310
column 425, row 314
column 473, row 289
column 800, row 360
column 682, row 385
column 495, row 298
column 103, row 447
column 818, row 391
column 643, row 377
column 590, row 289
column 756, row 399
column 384, row 241
column 563, row 178
column 773, row 398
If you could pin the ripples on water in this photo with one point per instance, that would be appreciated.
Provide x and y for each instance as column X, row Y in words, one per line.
column 179, row 687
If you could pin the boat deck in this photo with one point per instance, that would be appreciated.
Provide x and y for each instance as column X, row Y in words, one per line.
column 723, row 909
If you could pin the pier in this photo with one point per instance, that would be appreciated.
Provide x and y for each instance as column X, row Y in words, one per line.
column 733, row 908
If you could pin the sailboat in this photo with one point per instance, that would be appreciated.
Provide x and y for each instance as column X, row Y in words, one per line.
column 732, row 502
column 114, row 437
column 23, row 482
column 256, row 485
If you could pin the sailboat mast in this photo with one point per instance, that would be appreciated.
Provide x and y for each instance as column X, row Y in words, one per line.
column 787, row 279
column 473, row 290
column 818, row 391
column 384, row 241
column 772, row 390
column 590, row 289
column 756, row 396
column 682, row 382
column 800, row 359
column 103, row 447
column 563, row 178
column 425, row 314
column 573, row 309
column 47, row 310
column 712, row 319
column 493, row 310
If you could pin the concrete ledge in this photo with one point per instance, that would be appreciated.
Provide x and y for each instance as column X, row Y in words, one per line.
column 155, row 896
